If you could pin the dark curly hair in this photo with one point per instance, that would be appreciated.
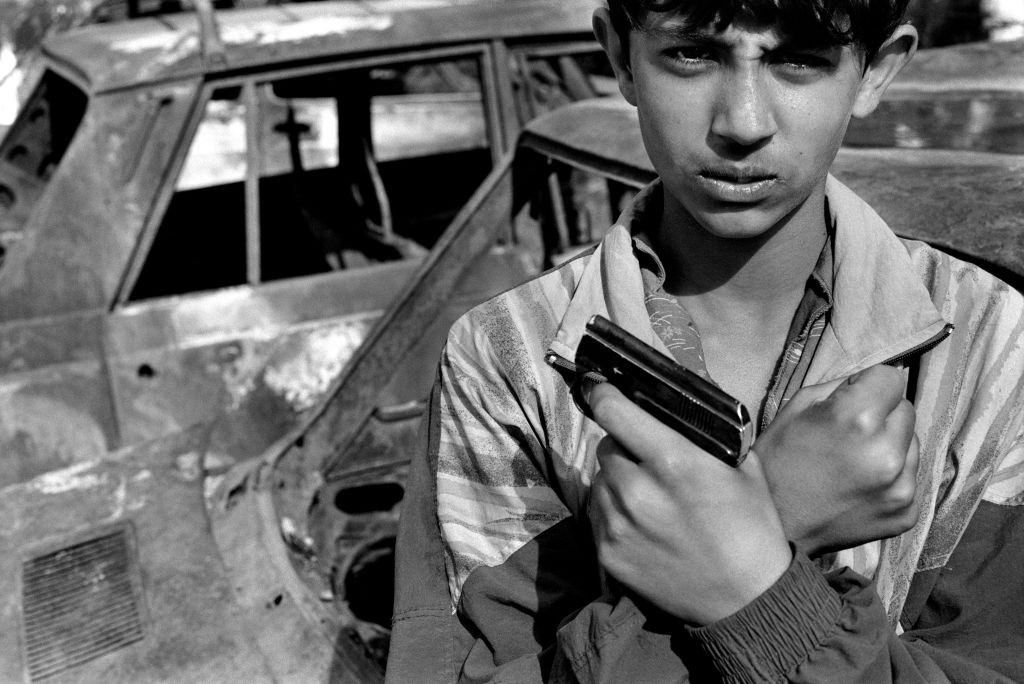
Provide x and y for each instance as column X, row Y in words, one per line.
column 866, row 23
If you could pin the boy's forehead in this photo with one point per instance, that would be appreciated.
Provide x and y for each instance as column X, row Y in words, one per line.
column 773, row 31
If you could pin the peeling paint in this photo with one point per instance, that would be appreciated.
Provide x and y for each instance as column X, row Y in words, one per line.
column 241, row 372
column 223, row 315
column 120, row 499
column 188, row 467
column 269, row 32
column 156, row 41
column 69, row 479
column 303, row 378
column 214, row 462
column 211, row 488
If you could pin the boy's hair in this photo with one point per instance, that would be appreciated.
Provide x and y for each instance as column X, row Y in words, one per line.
column 865, row 23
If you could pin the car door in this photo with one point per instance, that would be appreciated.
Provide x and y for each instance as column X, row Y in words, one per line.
column 301, row 205
column 77, row 173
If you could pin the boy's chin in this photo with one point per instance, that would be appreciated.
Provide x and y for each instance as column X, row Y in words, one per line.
column 747, row 224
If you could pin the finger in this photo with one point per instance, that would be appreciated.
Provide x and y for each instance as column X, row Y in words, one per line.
column 613, row 493
column 900, row 423
column 908, row 477
column 617, row 466
column 646, row 438
column 905, row 494
column 873, row 392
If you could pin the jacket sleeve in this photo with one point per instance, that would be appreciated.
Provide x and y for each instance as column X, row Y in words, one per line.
column 495, row 579
column 964, row 621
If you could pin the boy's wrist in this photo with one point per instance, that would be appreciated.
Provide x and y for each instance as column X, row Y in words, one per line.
column 774, row 632
column 770, row 568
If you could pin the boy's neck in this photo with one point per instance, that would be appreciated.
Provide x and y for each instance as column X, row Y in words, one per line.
column 762, row 274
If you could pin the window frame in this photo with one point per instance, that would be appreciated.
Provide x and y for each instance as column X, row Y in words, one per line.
column 249, row 84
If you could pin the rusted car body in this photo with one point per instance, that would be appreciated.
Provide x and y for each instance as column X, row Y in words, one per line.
column 172, row 561
column 190, row 215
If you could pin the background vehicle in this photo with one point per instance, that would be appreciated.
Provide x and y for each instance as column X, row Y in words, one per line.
column 191, row 215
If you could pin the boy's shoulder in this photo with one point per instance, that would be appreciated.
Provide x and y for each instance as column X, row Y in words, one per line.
column 956, row 284
column 986, row 312
column 524, row 318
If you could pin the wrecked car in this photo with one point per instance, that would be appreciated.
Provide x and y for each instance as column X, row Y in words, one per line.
column 171, row 560
column 194, row 208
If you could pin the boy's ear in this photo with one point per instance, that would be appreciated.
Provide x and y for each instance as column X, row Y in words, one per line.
column 887, row 63
column 617, row 51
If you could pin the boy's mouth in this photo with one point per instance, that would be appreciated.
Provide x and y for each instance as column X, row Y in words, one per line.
column 736, row 184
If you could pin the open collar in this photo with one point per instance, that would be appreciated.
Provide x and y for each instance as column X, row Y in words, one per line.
column 881, row 307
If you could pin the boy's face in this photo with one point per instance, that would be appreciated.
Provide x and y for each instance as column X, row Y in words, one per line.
column 742, row 124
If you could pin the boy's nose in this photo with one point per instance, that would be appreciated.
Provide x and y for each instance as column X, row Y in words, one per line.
column 743, row 113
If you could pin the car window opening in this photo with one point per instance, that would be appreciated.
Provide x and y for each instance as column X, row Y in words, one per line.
column 355, row 168
column 33, row 148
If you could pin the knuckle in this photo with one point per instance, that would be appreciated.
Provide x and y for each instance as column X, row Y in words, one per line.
column 907, row 520
column 864, row 422
column 902, row 495
column 907, row 408
column 888, row 466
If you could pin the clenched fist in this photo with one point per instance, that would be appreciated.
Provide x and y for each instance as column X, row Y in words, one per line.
column 841, row 461
column 686, row 532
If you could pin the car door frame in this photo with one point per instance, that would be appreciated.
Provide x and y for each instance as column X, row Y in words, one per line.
column 160, row 326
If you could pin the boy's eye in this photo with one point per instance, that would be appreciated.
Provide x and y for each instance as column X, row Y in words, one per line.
column 691, row 56
column 803, row 61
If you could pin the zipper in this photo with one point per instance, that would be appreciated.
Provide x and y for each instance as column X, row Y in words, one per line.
column 573, row 374
column 560, row 363
column 925, row 346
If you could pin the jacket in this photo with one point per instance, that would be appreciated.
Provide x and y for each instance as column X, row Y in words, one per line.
column 496, row 575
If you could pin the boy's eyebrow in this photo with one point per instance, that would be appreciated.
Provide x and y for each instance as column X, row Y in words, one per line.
column 684, row 33
column 681, row 32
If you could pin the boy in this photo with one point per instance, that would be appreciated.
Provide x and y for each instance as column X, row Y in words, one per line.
column 538, row 544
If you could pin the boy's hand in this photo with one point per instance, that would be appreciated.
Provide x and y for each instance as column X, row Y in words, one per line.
column 841, row 461
column 691, row 535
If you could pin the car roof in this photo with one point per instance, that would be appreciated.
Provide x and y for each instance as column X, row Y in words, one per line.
column 141, row 51
column 970, row 203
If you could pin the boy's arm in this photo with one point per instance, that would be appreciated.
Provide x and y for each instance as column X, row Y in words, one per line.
column 535, row 615
column 967, row 626
column 806, row 626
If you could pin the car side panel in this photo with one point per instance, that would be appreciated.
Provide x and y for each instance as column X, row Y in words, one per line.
column 272, row 349
column 54, row 407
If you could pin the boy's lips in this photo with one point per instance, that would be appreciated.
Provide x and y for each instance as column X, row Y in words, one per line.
column 737, row 184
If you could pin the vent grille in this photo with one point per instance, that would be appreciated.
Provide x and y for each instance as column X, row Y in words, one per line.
column 79, row 603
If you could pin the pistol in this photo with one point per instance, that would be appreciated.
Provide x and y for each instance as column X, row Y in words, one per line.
column 703, row 413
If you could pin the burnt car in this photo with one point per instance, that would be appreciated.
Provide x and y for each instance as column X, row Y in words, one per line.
column 171, row 561
column 195, row 207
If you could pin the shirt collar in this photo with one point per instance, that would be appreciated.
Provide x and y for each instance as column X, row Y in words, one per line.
column 881, row 307
column 638, row 222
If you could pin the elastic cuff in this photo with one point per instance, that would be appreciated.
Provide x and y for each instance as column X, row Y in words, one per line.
column 775, row 632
